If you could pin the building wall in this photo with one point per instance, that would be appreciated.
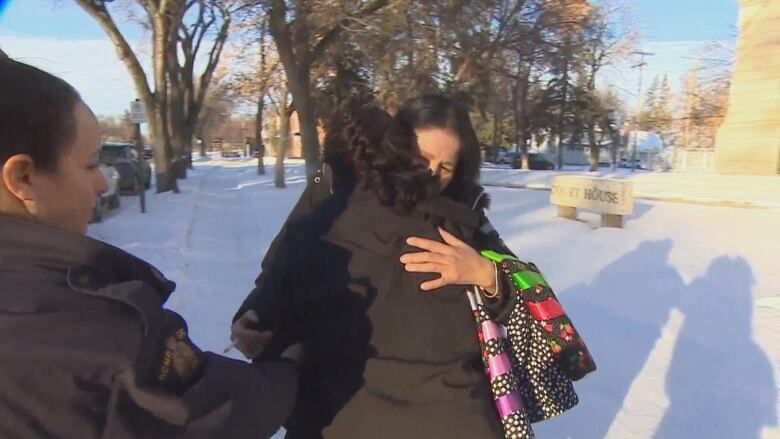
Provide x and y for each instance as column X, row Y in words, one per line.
column 748, row 142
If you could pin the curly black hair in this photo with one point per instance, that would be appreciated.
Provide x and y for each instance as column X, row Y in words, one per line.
column 364, row 144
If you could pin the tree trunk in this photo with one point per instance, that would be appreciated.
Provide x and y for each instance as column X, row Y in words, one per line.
column 304, row 106
column 179, row 155
column 162, row 155
column 520, row 103
column 562, row 122
column 495, row 136
column 189, row 138
column 166, row 176
column 617, row 138
column 284, row 142
column 594, row 149
column 202, row 146
column 259, row 145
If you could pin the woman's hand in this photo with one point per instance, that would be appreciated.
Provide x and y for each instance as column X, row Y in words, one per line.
column 454, row 260
column 249, row 341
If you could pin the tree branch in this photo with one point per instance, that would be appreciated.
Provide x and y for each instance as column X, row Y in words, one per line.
column 203, row 26
column 124, row 51
column 280, row 31
column 214, row 54
column 335, row 31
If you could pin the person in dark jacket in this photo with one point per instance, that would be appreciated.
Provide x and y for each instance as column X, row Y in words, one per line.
column 86, row 348
column 384, row 359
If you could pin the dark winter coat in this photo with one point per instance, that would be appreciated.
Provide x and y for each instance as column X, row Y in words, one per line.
column 384, row 360
column 81, row 323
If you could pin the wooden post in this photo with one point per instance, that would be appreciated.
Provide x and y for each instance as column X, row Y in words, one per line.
column 139, row 149
column 567, row 212
column 608, row 220
column 138, row 116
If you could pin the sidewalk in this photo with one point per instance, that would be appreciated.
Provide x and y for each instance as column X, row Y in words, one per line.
column 683, row 187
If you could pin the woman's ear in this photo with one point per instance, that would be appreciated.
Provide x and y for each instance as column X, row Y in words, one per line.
column 17, row 176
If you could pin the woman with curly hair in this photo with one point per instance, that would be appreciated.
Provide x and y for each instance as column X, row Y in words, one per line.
column 385, row 360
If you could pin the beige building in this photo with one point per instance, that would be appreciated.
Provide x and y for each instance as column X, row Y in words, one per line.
column 748, row 142
column 271, row 132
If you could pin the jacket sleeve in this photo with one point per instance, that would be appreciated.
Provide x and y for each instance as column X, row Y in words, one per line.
column 172, row 389
column 311, row 197
column 231, row 399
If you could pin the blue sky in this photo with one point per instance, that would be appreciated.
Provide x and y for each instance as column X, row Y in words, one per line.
column 59, row 37
column 685, row 20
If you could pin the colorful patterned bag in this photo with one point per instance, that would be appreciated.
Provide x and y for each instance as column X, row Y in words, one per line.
column 499, row 365
column 539, row 342
column 567, row 346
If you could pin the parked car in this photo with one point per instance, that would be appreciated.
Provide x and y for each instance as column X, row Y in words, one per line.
column 626, row 163
column 508, row 157
column 536, row 161
column 109, row 199
column 123, row 157
column 148, row 152
column 226, row 153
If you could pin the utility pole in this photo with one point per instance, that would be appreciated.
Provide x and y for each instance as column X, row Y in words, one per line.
column 640, row 65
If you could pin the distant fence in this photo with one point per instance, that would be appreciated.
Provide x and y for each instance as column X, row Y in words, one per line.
column 692, row 159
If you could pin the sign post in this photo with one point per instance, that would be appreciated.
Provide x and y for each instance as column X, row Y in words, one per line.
column 137, row 117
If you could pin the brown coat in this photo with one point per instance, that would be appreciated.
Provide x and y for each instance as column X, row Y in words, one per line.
column 79, row 320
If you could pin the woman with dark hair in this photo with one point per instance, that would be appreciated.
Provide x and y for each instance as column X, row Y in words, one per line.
column 446, row 140
column 384, row 360
column 86, row 348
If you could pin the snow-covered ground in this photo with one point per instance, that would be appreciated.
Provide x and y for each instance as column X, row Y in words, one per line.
column 681, row 309
column 706, row 188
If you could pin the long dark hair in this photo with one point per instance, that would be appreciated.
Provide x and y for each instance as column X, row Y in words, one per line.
column 364, row 144
column 445, row 112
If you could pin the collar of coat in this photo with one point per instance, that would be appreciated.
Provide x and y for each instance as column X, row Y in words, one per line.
column 451, row 210
column 89, row 264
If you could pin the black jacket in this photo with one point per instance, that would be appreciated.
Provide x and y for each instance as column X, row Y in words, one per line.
column 81, row 323
column 384, row 360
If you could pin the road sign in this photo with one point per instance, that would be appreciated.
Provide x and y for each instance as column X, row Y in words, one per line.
column 137, row 112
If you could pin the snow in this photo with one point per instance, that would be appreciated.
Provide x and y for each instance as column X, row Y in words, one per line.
column 688, row 187
column 681, row 309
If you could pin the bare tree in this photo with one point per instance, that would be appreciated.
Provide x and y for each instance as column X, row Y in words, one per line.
column 252, row 85
column 215, row 112
column 606, row 39
column 301, row 41
column 187, row 90
column 117, row 128
column 284, row 111
column 181, row 30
